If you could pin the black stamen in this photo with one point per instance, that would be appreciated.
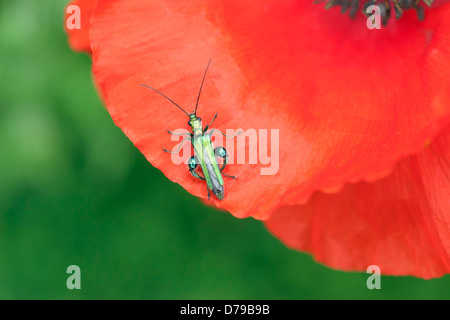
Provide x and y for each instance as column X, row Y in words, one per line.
column 386, row 7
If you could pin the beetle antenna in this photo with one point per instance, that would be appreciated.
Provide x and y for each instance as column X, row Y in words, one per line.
column 166, row 98
column 198, row 98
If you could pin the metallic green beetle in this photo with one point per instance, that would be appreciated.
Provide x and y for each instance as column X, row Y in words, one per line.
column 203, row 149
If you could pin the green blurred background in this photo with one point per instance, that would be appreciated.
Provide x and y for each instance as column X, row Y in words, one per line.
column 74, row 190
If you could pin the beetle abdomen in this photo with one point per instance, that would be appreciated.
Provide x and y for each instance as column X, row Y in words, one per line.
column 216, row 186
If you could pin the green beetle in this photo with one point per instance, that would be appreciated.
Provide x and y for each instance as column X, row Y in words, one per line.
column 204, row 152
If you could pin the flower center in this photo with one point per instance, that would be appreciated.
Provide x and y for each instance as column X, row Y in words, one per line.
column 385, row 7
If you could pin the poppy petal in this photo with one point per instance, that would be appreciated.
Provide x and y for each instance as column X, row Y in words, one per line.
column 79, row 38
column 348, row 102
column 400, row 223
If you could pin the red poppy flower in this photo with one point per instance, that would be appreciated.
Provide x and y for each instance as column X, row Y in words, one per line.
column 349, row 103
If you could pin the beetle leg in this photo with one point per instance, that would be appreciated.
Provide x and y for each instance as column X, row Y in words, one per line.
column 209, row 125
column 222, row 152
column 212, row 130
column 196, row 175
column 179, row 148
column 232, row 177
column 192, row 165
column 178, row 134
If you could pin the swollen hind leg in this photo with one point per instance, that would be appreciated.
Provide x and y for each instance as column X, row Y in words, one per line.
column 222, row 153
column 192, row 165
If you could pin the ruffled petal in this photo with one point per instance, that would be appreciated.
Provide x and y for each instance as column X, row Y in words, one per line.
column 79, row 38
column 400, row 223
column 348, row 102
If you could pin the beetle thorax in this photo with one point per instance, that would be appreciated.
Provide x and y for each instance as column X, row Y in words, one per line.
column 196, row 124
